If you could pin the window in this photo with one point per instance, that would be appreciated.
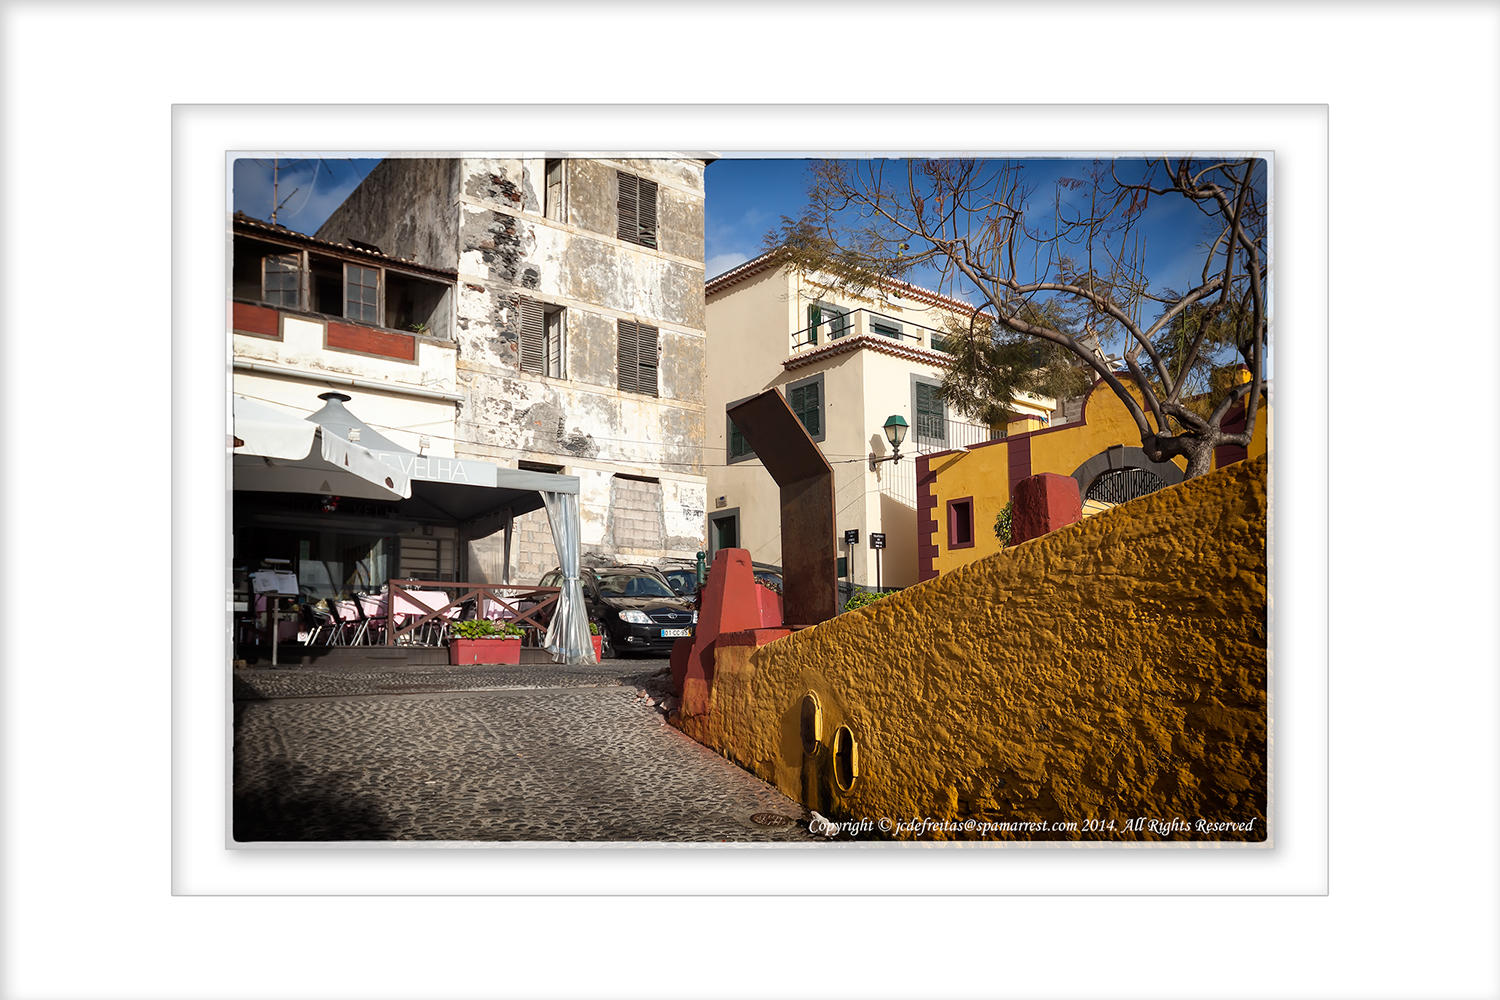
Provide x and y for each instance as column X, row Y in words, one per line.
column 737, row 449
column 361, row 293
column 826, row 321
column 637, row 210
column 282, row 280
column 639, row 355
column 931, row 416
column 418, row 305
column 541, row 338
column 961, row 523
column 552, row 197
column 805, row 399
column 886, row 328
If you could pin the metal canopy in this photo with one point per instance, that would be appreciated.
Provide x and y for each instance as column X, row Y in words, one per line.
column 809, row 554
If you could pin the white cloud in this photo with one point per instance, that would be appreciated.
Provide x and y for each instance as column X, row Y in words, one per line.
column 721, row 262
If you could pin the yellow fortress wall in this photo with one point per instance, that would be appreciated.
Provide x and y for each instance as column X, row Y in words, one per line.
column 1108, row 671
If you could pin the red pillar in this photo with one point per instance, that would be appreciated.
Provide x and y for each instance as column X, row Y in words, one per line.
column 1043, row 503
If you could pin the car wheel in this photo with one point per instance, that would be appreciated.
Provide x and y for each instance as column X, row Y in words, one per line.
column 606, row 645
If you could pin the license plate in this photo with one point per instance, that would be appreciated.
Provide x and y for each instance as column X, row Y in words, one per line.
column 676, row 633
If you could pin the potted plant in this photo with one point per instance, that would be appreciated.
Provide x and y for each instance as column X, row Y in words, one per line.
column 484, row 641
column 598, row 637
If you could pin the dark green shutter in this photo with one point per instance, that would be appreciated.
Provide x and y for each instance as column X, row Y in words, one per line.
column 931, row 418
column 814, row 317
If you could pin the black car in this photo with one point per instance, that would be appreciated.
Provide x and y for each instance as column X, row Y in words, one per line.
column 683, row 581
column 635, row 607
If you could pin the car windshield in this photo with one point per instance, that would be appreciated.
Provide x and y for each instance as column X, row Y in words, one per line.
column 685, row 581
column 633, row 585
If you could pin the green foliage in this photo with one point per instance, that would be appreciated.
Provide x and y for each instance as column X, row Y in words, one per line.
column 862, row 598
column 1002, row 525
column 992, row 366
column 483, row 628
column 594, row 629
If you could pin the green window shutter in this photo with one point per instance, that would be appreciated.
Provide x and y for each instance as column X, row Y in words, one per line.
column 738, row 446
column 803, row 401
column 931, row 417
column 814, row 317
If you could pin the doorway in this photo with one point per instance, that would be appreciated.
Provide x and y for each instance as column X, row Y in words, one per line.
column 723, row 530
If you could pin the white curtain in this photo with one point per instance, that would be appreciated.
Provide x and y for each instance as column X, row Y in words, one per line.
column 568, row 634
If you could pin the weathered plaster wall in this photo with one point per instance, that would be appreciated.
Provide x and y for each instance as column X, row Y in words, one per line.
column 406, row 207
column 1111, row 670
column 488, row 212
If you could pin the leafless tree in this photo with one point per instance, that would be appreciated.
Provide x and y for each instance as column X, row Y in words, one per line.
column 1056, row 276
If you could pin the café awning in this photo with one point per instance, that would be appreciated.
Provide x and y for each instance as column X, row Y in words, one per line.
column 277, row 451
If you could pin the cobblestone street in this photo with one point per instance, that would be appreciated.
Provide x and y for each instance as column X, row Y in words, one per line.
column 513, row 753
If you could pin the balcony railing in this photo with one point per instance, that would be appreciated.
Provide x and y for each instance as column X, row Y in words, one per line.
column 866, row 322
column 930, row 434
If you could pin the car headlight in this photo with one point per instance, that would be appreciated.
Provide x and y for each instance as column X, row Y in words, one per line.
column 635, row 617
column 695, row 617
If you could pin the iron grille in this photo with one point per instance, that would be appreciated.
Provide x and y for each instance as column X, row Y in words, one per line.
column 1123, row 485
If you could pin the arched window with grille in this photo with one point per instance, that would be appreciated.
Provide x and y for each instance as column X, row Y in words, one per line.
column 1122, row 485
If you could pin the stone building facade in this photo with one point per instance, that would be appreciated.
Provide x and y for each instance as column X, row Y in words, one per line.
column 579, row 329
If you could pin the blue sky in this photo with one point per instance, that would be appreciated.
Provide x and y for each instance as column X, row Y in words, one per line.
column 309, row 189
column 746, row 199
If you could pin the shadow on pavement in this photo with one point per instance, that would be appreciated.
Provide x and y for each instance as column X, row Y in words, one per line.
column 287, row 802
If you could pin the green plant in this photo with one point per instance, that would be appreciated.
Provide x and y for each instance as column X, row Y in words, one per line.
column 594, row 629
column 861, row 598
column 1002, row 525
column 483, row 628
column 418, row 328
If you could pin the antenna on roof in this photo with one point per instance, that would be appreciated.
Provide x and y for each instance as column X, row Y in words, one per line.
column 277, row 202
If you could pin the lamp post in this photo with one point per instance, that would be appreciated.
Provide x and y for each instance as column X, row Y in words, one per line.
column 895, row 433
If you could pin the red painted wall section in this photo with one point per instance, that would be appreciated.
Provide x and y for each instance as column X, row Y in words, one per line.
column 926, row 520
column 730, row 603
column 258, row 320
column 1020, row 460
column 367, row 341
column 1234, row 423
column 1043, row 503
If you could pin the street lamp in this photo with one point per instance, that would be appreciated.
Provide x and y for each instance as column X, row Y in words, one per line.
column 895, row 433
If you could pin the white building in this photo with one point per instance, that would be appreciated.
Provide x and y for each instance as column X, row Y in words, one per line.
column 845, row 364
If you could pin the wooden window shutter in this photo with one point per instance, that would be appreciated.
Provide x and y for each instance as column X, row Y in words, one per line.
column 629, row 381
column 637, row 216
column 554, row 324
column 646, row 212
column 638, row 358
column 931, row 418
column 627, row 228
column 533, row 338
column 814, row 317
column 648, row 348
column 803, row 402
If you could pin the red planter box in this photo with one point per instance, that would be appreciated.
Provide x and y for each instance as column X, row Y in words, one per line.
column 465, row 652
column 598, row 647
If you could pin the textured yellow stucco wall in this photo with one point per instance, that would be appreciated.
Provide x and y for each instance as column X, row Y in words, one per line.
column 1109, row 671
column 983, row 472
